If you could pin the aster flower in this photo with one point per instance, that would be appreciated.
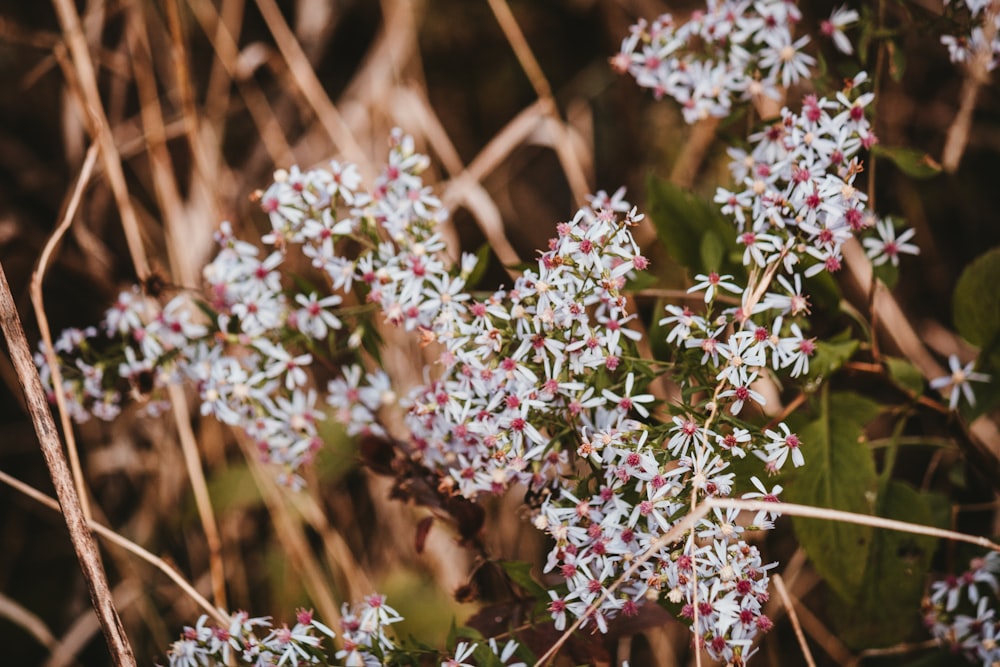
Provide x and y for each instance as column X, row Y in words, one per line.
column 888, row 246
column 959, row 381
column 833, row 28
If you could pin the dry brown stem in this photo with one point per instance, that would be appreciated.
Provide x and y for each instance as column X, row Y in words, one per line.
column 37, row 300
column 786, row 599
column 101, row 130
column 560, row 134
column 62, row 479
column 977, row 74
column 305, row 78
column 125, row 544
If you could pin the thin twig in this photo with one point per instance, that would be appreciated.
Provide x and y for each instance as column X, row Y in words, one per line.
column 305, row 78
column 812, row 512
column 62, row 479
column 562, row 144
column 292, row 537
column 203, row 502
column 38, row 302
column 101, row 130
column 228, row 53
column 977, row 74
column 779, row 585
column 125, row 544
column 898, row 649
column 28, row 621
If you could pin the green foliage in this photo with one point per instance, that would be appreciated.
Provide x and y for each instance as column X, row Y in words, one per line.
column 839, row 474
column 693, row 230
column 976, row 311
column 233, row 488
column 520, row 573
column 905, row 375
column 887, row 608
column 977, row 301
column 832, row 354
column 912, row 162
column 483, row 254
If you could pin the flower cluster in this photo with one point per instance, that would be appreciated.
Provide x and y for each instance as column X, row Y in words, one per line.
column 797, row 197
column 980, row 38
column 961, row 611
column 732, row 49
column 547, row 371
column 539, row 384
column 249, row 345
column 365, row 641
column 521, row 364
column 251, row 641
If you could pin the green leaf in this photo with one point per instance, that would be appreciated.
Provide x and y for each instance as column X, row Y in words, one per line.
column 712, row 252
column 830, row 356
column 887, row 610
column 905, row 375
column 479, row 270
column 912, row 162
column 897, row 61
column 823, row 290
column 693, row 230
column 977, row 300
column 888, row 273
column 839, row 474
column 520, row 573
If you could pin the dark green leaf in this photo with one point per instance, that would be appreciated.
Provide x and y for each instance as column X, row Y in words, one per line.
column 823, row 290
column 683, row 224
column 887, row 610
column 479, row 270
column 912, row 162
column 888, row 273
column 712, row 251
column 977, row 300
column 839, row 474
column 905, row 375
column 897, row 61
column 520, row 573
column 642, row 280
column 830, row 356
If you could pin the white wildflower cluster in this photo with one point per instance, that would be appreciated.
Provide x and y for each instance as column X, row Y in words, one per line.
column 250, row 360
column 731, row 49
column 796, row 208
column 797, row 198
column 137, row 348
column 546, row 369
column 522, row 364
column 365, row 641
column 966, row 48
column 251, row 641
column 960, row 611
column 364, row 631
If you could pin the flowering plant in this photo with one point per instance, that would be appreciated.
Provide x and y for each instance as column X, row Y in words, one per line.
column 617, row 420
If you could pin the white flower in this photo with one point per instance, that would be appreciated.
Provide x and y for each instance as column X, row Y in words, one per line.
column 959, row 381
column 833, row 28
column 713, row 281
column 888, row 246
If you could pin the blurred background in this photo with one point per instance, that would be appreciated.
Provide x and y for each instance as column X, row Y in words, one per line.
column 203, row 100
